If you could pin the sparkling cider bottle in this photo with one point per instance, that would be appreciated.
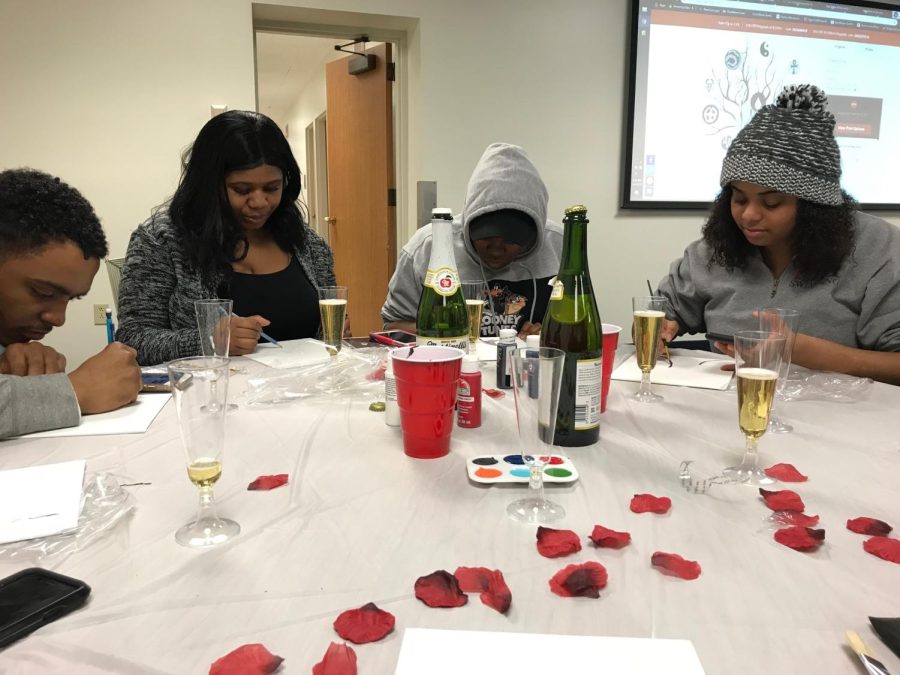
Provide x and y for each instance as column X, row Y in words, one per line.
column 572, row 323
column 442, row 318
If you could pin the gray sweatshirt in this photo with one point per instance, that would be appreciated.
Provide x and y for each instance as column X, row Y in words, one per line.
column 504, row 178
column 859, row 307
column 36, row 403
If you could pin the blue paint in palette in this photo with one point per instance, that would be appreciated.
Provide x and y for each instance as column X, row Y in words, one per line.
column 522, row 473
column 514, row 459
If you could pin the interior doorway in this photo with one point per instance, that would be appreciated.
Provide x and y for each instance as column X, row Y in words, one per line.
column 339, row 123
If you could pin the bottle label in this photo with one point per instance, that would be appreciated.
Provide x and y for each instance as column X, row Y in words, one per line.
column 461, row 342
column 390, row 388
column 558, row 289
column 443, row 280
column 588, row 376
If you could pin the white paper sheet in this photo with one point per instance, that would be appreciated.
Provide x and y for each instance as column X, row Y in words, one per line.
column 38, row 501
column 702, row 370
column 132, row 419
column 449, row 652
column 291, row 354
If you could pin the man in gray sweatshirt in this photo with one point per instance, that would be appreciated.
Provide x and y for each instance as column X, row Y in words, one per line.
column 51, row 243
column 502, row 237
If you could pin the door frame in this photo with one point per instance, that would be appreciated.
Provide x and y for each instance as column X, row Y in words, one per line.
column 403, row 33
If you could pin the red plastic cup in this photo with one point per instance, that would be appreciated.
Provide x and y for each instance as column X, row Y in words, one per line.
column 427, row 378
column 610, row 343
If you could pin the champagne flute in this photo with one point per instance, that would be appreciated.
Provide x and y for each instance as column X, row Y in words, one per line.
column 649, row 314
column 332, row 309
column 199, row 390
column 785, row 321
column 757, row 361
column 475, row 293
column 536, row 376
column 214, row 324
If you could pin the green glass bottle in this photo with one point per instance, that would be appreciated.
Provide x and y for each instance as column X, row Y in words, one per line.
column 442, row 318
column 572, row 323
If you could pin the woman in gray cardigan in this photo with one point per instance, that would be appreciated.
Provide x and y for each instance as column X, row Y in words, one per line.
column 232, row 230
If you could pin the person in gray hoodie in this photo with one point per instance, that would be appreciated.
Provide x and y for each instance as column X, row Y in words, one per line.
column 502, row 237
column 783, row 233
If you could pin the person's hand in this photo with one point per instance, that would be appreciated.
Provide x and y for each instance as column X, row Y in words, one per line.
column 347, row 326
column 245, row 332
column 529, row 328
column 728, row 349
column 107, row 380
column 31, row 358
column 668, row 332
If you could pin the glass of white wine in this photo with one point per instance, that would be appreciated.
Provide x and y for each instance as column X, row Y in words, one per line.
column 757, row 361
column 649, row 314
column 199, row 390
column 475, row 293
column 332, row 310
column 536, row 376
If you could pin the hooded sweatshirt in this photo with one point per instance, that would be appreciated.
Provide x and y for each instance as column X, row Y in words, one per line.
column 858, row 307
column 504, row 178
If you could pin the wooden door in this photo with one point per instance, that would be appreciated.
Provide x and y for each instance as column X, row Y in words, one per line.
column 360, row 148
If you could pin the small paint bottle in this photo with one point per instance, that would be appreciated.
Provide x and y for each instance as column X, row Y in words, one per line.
column 505, row 346
column 468, row 394
column 391, row 409
column 533, row 351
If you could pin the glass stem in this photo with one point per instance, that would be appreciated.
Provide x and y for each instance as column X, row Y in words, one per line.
column 750, row 454
column 536, row 481
column 207, row 509
column 645, row 383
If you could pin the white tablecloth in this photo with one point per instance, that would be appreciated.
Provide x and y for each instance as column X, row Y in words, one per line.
column 359, row 522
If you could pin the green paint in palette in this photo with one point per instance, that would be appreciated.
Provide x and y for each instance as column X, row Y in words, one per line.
column 558, row 473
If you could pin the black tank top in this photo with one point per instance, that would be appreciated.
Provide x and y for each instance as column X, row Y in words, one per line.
column 286, row 298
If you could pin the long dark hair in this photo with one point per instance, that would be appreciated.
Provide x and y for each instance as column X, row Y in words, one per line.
column 232, row 141
column 822, row 238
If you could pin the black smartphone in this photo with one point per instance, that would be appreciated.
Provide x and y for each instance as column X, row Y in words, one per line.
column 394, row 338
column 720, row 337
column 34, row 597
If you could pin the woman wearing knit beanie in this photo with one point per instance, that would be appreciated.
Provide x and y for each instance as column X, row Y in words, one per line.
column 782, row 233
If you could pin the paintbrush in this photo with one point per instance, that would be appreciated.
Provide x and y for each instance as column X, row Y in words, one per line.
column 872, row 665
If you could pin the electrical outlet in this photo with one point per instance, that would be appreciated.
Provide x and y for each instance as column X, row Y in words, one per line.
column 99, row 315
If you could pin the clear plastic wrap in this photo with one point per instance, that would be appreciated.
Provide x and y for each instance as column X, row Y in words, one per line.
column 816, row 385
column 819, row 385
column 352, row 374
column 104, row 502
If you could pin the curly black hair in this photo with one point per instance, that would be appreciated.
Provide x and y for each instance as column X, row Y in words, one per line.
column 232, row 141
column 37, row 209
column 822, row 239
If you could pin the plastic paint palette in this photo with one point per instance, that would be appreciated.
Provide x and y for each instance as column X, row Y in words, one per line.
column 513, row 469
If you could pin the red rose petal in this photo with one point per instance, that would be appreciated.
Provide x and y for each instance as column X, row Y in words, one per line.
column 497, row 595
column 472, row 579
column 606, row 538
column 786, row 473
column 366, row 624
column 268, row 482
column 494, row 393
column 252, row 659
column 870, row 526
column 338, row 660
column 584, row 580
column 793, row 518
column 553, row 543
column 884, row 548
column 800, row 538
column 440, row 589
column 644, row 503
column 782, row 500
column 673, row 564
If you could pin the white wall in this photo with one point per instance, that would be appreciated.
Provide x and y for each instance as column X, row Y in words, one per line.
column 106, row 93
